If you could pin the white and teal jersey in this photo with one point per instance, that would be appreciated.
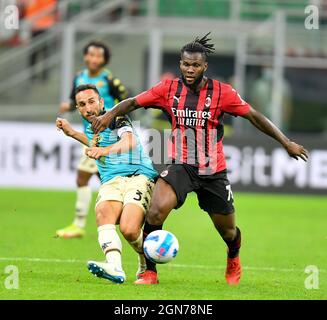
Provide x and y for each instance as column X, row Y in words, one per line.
column 111, row 89
column 135, row 161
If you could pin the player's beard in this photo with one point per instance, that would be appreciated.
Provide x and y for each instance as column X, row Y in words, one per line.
column 94, row 114
column 196, row 82
column 89, row 115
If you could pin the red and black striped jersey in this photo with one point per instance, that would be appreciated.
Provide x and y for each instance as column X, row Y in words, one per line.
column 197, row 120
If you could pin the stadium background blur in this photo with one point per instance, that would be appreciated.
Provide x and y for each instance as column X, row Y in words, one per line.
column 265, row 49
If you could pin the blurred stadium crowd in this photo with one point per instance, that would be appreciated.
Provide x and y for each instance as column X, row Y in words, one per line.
column 38, row 50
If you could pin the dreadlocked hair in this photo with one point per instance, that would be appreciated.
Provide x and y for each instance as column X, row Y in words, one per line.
column 200, row 45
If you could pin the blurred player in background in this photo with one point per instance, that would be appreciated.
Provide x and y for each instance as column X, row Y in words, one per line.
column 127, row 179
column 96, row 56
column 197, row 104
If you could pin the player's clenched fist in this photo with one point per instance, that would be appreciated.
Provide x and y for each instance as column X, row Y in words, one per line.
column 95, row 152
column 64, row 125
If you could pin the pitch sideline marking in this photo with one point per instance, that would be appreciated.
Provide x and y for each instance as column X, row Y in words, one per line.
column 173, row 265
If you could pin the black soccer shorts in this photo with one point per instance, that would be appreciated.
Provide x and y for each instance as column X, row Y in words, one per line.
column 213, row 191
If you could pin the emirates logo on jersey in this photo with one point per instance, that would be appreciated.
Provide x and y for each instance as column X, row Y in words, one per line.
column 190, row 117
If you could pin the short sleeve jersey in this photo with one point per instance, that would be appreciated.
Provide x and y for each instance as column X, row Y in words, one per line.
column 196, row 118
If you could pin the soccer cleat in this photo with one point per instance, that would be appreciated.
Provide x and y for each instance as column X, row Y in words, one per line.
column 233, row 271
column 71, row 231
column 147, row 277
column 142, row 266
column 106, row 271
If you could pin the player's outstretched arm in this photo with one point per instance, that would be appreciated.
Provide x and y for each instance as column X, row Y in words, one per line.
column 265, row 125
column 65, row 126
column 125, row 144
column 102, row 122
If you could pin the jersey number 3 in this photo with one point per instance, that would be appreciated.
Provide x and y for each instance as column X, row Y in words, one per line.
column 139, row 195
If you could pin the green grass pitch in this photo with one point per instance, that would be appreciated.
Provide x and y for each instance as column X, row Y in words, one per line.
column 281, row 236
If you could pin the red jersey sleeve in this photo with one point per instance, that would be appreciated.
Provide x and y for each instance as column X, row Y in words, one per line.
column 155, row 96
column 233, row 103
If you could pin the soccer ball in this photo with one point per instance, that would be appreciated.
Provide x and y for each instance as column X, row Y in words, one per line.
column 160, row 246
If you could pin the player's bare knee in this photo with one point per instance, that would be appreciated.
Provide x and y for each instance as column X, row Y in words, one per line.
column 228, row 234
column 81, row 182
column 83, row 178
column 155, row 216
column 100, row 214
column 130, row 233
column 99, row 218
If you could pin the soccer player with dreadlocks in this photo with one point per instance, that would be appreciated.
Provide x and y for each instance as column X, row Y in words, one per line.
column 196, row 105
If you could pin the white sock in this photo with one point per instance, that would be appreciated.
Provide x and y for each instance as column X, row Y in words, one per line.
column 137, row 245
column 83, row 201
column 110, row 243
